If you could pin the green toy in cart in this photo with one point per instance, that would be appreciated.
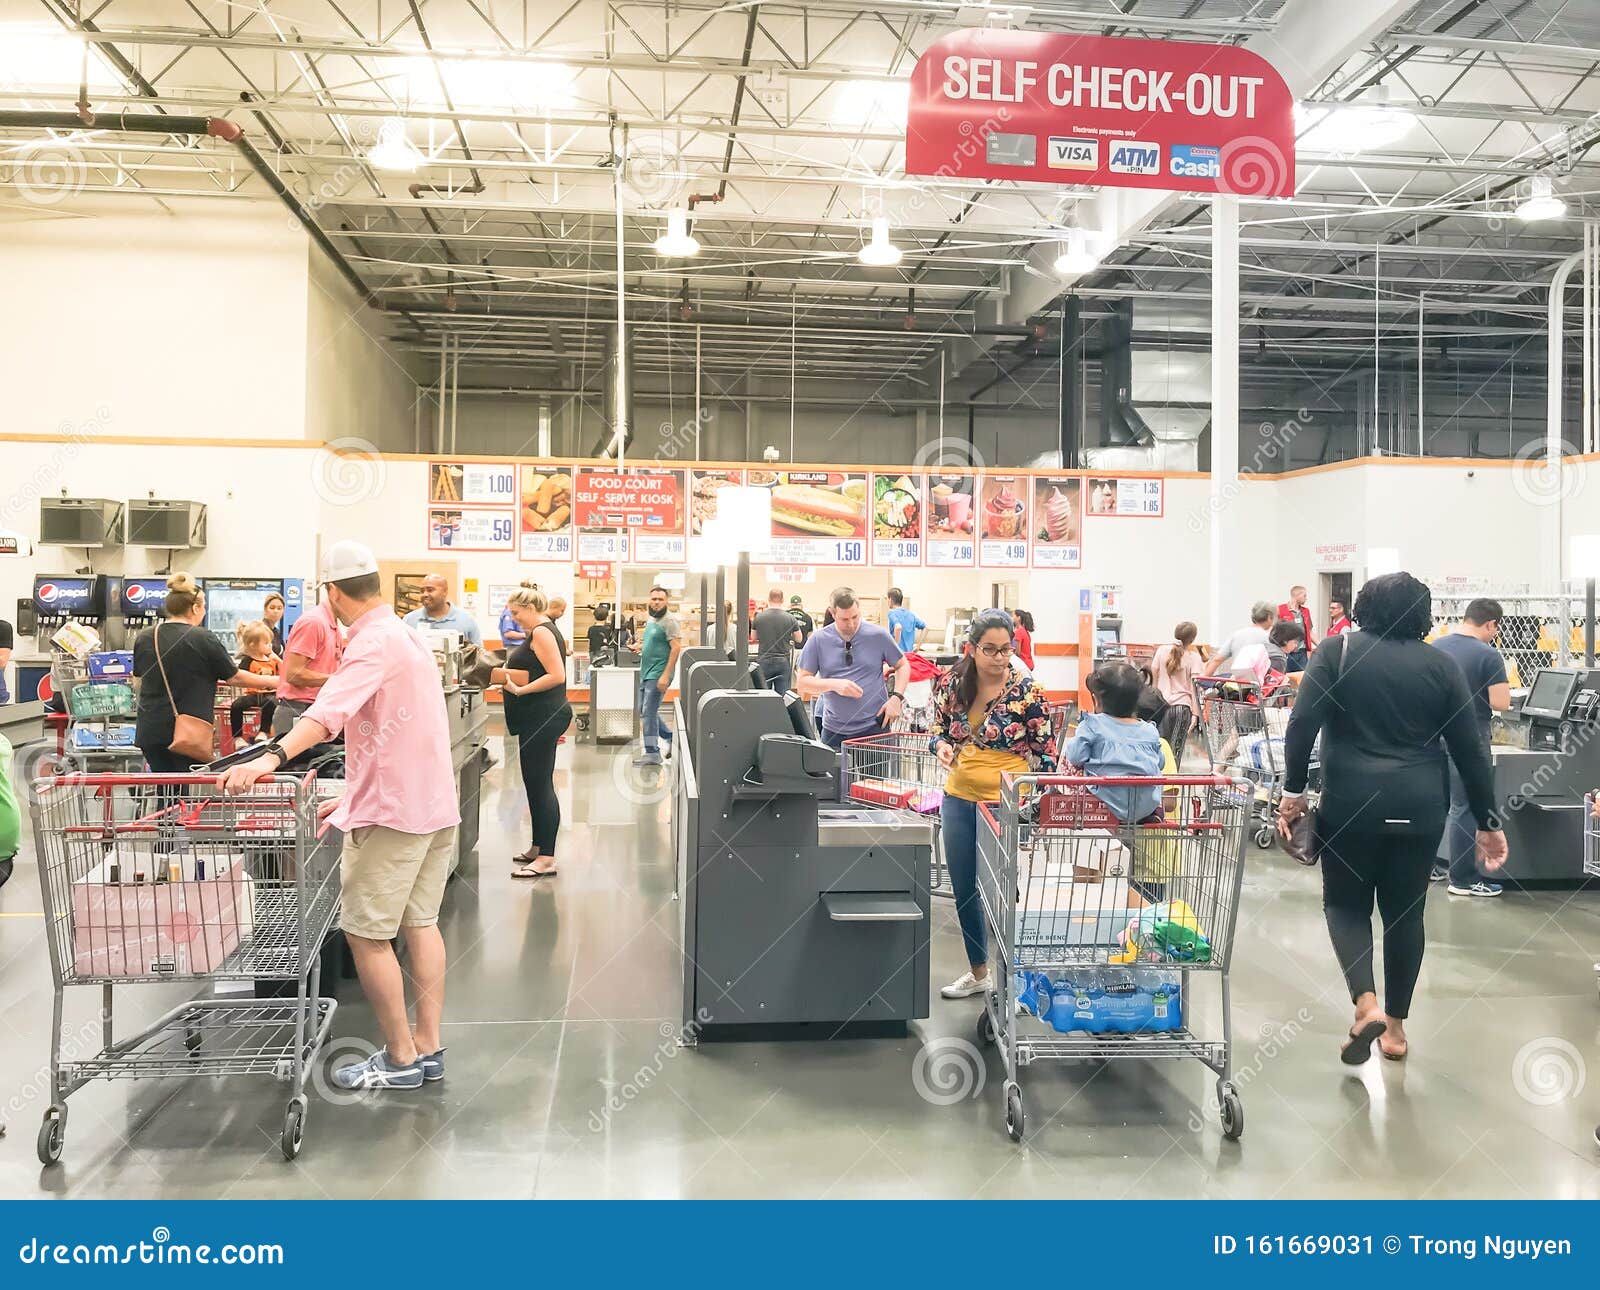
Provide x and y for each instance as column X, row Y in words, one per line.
column 1167, row 932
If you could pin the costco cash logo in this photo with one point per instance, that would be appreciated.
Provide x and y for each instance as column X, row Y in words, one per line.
column 1196, row 162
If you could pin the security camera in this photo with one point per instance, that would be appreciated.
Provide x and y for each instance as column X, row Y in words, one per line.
column 1472, row 474
column 770, row 454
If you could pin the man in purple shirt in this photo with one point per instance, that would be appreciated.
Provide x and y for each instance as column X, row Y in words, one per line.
column 398, row 814
column 845, row 665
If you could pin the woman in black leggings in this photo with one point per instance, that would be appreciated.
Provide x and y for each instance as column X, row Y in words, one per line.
column 537, row 713
column 1383, row 700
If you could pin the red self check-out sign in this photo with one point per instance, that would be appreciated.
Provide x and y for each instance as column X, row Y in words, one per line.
column 1054, row 107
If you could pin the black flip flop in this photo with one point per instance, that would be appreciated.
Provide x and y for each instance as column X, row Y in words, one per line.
column 1359, row 1049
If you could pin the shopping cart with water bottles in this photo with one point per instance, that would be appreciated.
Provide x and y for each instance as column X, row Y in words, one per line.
column 1099, row 929
column 900, row 771
column 156, row 879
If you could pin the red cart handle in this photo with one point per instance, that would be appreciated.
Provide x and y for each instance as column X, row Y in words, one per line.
column 1128, row 781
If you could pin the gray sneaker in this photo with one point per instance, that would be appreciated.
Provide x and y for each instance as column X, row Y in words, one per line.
column 432, row 1065
column 379, row 1072
column 649, row 759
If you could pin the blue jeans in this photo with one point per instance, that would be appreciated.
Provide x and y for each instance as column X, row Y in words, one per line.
column 655, row 728
column 1459, row 846
column 776, row 673
column 958, row 819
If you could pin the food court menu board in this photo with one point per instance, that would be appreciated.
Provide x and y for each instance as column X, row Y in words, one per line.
column 472, row 506
column 818, row 516
column 546, row 512
column 644, row 508
column 1136, row 497
column 704, row 485
column 1057, row 522
column 897, row 520
column 1003, row 521
column 951, row 518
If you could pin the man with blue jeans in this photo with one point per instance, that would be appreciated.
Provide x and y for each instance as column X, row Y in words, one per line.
column 658, row 657
column 1471, row 646
column 844, row 664
column 903, row 624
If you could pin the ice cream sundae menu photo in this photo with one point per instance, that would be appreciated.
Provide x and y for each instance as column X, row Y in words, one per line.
column 1003, row 504
column 1057, row 521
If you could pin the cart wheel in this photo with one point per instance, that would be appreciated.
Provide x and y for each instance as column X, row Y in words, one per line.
column 583, row 724
column 1014, row 1118
column 985, row 1027
column 52, row 1134
column 1232, row 1116
column 294, row 1127
column 1264, row 836
column 192, row 1039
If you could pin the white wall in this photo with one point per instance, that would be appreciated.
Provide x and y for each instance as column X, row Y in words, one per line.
column 135, row 322
column 355, row 385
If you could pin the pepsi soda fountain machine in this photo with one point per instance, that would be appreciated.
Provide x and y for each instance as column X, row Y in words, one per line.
column 59, row 599
column 142, row 602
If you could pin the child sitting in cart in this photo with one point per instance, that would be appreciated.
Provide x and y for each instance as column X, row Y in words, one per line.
column 1113, row 742
column 256, row 657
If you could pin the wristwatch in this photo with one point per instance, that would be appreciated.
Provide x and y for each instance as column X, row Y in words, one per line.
column 895, row 694
column 276, row 749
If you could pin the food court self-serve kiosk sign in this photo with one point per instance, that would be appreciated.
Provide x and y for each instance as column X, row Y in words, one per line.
column 1105, row 111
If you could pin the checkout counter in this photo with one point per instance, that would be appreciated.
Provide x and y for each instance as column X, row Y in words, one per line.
column 796, row 911
column 1540, row 787
column 469, row 722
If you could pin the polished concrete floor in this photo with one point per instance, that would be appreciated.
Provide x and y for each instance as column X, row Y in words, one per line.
column 564, row 1080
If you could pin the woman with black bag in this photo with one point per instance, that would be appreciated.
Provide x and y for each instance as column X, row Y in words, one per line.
column 1383, row 701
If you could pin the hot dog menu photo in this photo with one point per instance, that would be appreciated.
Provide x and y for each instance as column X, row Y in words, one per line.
column 818, row 516
column 1003, row 521
column 1058, row 522
column 952, row 521
column 546, row 512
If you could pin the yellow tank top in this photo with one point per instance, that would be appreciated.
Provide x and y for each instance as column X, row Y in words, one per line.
column 975, row 773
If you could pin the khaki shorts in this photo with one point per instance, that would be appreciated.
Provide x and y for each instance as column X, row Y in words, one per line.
column 389, row 879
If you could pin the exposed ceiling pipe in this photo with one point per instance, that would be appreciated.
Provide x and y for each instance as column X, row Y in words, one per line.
column 738, row 99
column 199, row 126
column 476, row 186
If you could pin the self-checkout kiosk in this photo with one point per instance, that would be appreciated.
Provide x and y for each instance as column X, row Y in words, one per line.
column 797, row 911
column 1540, row 788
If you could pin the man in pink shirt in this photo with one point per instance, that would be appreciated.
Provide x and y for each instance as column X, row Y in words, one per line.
column 398, row 814
column 310, row 656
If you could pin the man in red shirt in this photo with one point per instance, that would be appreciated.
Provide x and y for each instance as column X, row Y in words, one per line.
column 1294, row 610
column 1338, row 617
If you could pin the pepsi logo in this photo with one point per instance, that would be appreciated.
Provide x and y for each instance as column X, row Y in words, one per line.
column 135, row 593
column 46, row 593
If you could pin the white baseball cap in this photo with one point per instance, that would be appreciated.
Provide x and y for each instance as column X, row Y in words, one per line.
column 347, row 560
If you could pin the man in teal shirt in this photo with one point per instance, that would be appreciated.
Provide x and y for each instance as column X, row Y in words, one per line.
column 903, row 624
column 658, row 657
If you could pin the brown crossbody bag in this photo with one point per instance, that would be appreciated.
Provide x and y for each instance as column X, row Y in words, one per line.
column 191, row 737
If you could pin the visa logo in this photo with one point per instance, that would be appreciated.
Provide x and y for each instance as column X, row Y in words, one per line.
column 1136, row 158
column 1190, row 162
column 1073, row 154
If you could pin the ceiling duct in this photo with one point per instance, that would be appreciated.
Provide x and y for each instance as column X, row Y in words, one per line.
column 1149, row 417
column 617, row 373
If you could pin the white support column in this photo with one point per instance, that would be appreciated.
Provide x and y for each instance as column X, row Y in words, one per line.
column 1224, row 403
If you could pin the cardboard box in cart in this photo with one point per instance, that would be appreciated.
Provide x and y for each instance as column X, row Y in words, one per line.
column 158, row 929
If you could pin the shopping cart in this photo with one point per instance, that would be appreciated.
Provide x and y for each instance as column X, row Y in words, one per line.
column 1096, row 928
column 1060, row 714
column 1244, row 733
column 900, row 771
column 1591, row 856
column 154, row 879
column 222, row 716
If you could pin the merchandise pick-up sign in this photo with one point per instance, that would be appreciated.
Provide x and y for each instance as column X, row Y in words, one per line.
column 643, row 500
column 1067, row 109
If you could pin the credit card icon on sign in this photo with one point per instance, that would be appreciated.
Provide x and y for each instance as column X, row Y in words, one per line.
column 1011, row 149
column 1131, row 157
column 1073, row 154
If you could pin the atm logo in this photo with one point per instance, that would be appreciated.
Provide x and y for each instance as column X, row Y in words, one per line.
column 1196, row 162
column 1134, row 158
column 1073, row 154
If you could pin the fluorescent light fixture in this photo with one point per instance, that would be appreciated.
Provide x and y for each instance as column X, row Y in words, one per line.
column 1363, row 125
column 34, row 57
column 1585, row 561
column 677, row 241
column 1541, row 201
column 1382, row 560
column 879, row 253
column 1077, row 256
column 867, row 103
column 744, row 518
column 489, row 84
column 394, row 151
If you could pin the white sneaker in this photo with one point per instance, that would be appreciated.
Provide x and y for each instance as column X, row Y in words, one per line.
column 964, row 987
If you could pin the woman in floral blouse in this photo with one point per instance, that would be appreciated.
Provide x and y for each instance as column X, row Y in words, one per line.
column 988, row 719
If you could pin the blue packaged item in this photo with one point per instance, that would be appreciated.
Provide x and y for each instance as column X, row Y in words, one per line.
column 108, row 736
column 111, row 665
column 1110, row 1000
